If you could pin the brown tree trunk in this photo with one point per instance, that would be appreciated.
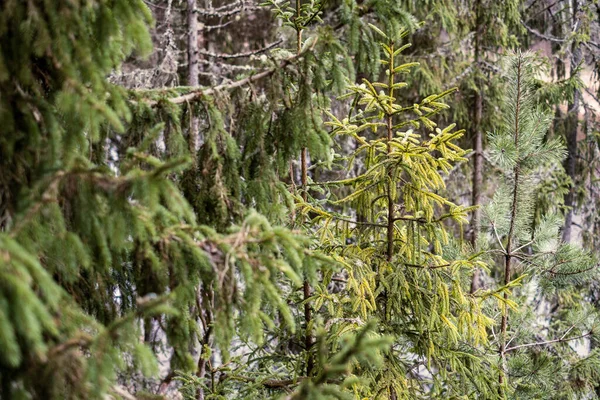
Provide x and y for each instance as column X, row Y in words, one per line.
column 509, row 249
column 391, row 206
column 204, row 303
column 308, row 339
column 477, row 141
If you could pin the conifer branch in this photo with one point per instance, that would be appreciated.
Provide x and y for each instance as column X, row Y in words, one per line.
column 427, row 266
column 356, row 321
column 210, row 28
column 80, row 341
column 84, row 340
column 593, row 95
column 122, row 393
column 363, row 223
column 227, row 10
column 552, row 272
column 498, row 237
column 562, row 339
column 541, row 35
column 241, row 55
column 198, row 93
column 48, row 196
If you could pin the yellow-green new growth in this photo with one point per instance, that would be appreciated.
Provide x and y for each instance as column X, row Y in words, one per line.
column 390, row 229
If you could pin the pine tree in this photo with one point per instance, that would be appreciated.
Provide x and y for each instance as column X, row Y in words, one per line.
column 536, row 353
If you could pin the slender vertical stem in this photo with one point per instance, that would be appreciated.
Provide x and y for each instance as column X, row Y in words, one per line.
column 192, row 80
column 298, row 27
column 205, row 300
column 308, row 340
column 511, row 231
column 390, row 182
column 303, row 155
column 572, row 127
column 390, row 198
column 477, row 140
column 193, row 69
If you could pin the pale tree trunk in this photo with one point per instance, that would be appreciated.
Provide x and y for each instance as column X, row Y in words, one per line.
column 192, row 80
column 572, row 126
column 193, row 69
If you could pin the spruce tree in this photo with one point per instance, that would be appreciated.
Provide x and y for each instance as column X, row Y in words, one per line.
column 101, row 242
column 220, row 227
column 387, row 226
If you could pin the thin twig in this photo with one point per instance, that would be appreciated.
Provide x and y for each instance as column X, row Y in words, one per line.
column 241, row 55
column 559, row 340
column 541, row 35
column 200, row 92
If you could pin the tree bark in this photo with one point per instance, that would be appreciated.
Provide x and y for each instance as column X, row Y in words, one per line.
column 502, row 378
column 193, row 70
column 572, row 126
column 193, row 81
column 308, row 339
column 477, row 141
column 390, row 198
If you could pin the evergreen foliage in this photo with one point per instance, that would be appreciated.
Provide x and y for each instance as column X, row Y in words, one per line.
column 91, row 248
column 401, row 267
column 259, row 238
column 537, row 355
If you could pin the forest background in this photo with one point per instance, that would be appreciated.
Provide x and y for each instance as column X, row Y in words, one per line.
column 311, row 199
